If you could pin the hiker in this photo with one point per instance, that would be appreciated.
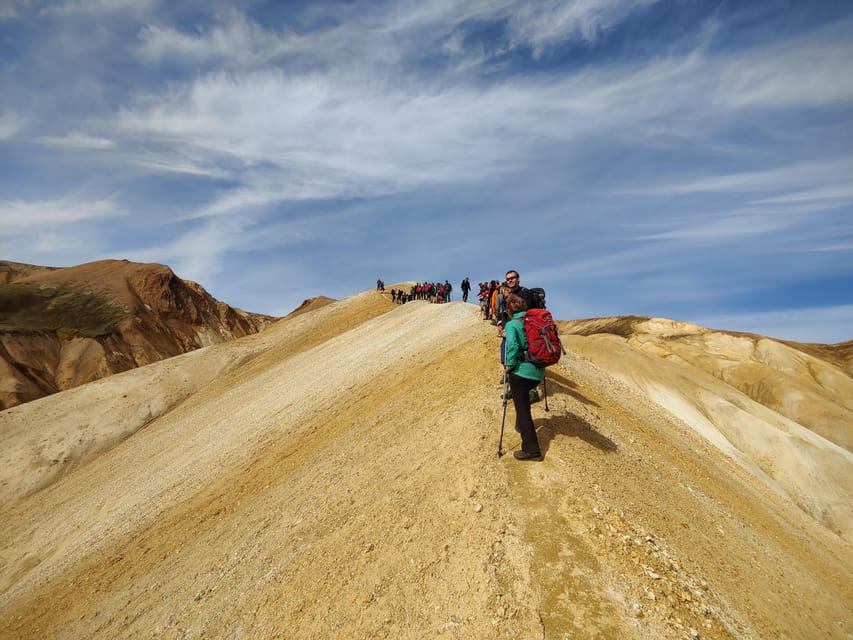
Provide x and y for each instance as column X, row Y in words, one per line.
column 514, row 283
column 481, row 298
column 466, row 287
column 523, row 378
column 447, row 289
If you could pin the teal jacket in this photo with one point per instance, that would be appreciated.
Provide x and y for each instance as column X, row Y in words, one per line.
column 515, row 346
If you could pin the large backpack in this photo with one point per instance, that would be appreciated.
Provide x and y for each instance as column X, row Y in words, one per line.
column 543, row 343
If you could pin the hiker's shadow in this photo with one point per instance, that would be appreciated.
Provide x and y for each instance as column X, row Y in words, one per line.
column 555, row 383
column 567, row 423
column 574, row 426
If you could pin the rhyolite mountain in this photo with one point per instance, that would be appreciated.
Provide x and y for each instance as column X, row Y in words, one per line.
column 62, row 327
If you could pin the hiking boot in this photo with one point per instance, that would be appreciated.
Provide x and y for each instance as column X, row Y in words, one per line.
column 534, row 396
column 524, row 455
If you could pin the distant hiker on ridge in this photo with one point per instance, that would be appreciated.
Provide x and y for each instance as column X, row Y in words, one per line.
column 466, row 287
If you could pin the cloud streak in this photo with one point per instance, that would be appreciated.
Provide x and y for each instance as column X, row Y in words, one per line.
column 16, row 215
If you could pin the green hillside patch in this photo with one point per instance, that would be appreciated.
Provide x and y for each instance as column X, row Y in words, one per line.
column 29, row 308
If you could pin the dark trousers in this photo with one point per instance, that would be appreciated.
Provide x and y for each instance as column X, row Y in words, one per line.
column 520, row 388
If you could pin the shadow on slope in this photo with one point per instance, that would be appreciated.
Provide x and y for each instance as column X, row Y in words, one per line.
column 567, row 423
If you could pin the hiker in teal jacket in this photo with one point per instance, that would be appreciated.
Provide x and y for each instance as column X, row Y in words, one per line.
column 523, row 377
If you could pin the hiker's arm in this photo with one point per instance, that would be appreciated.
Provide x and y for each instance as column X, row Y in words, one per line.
column 512, row 347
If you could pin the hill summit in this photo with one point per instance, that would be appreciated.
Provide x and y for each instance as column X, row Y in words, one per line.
column 337, row 476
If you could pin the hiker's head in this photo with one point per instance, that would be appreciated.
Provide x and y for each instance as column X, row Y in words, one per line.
column 515, row 303
column 512, row 278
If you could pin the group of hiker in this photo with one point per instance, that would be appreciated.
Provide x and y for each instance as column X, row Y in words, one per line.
column 506, row 304
column 438, row 292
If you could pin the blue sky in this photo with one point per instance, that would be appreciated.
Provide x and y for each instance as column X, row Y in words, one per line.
column 685, row 159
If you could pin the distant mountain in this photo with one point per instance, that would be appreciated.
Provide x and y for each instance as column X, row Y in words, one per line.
column 62, row 327
column 809, row 384
column 338, row 475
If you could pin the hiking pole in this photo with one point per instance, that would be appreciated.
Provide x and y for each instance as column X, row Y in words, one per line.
column 503, row 420
column 545, row 391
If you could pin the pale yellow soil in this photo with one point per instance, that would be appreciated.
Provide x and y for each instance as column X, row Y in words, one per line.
column 345, row 483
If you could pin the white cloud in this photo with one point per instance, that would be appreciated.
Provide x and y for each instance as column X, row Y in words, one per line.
column 793, row 176
column 348, row 132
column 360, row 129
column 724, row 227
column 78, row 141
column 330, row 136
column 18, row 215
column 169, row 163
column 545, row 23
column 812, row 70
column 832, row 192
column 235, row 40
column 98, row 6
column 199, row 253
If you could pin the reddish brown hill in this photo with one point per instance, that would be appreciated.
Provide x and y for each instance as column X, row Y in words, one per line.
column 62, row 327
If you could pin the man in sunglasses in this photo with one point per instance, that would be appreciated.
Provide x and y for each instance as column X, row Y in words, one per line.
column 514, row 284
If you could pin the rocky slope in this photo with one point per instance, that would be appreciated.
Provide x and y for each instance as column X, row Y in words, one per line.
column 62, row 327
column 337, row 476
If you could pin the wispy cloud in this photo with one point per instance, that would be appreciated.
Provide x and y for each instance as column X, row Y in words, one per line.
column 199, row 253
column 78, row 141
column 783, row 178
column 552, row 22
column 236, row 40
column 16, row 215
column 93, row 7
column 804, row 71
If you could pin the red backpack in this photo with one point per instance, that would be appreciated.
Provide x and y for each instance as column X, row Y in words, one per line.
column 543, row 344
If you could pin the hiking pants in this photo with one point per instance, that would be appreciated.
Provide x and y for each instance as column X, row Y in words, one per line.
column 520, row 388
